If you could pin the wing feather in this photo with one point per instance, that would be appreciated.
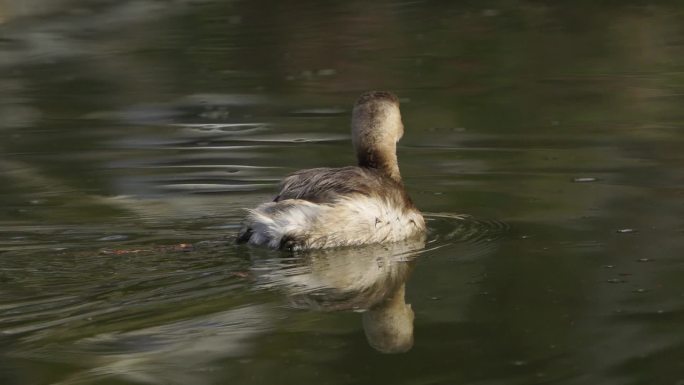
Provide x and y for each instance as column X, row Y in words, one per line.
column 325, row 185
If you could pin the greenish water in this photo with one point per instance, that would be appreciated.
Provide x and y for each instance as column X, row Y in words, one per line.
column 543, row 141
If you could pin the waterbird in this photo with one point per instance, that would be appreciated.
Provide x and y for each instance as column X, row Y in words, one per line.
column 349, row 206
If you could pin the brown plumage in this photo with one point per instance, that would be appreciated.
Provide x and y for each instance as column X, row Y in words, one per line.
column 328, row 207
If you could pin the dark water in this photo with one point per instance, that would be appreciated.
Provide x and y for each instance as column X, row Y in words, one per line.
column 544, row 143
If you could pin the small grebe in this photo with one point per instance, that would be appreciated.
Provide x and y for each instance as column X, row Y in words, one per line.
column 330, row 207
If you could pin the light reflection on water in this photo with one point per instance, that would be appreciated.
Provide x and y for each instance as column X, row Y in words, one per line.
column 543, row 142
column 129, row 320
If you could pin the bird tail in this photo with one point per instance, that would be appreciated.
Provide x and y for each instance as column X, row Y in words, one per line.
column 279, row 224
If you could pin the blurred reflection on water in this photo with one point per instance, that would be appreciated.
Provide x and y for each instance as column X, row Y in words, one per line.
column 543, row 140
column 371, row 279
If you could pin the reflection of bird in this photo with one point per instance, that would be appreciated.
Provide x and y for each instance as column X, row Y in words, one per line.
column 329, row 207
column 371, row 279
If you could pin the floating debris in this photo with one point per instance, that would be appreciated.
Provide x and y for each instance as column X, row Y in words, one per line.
column 123, row 252
column 584, row 180
column 323, row 111
column 625, row 231
column 326, row 72
column 184, row 247
column 118, row 237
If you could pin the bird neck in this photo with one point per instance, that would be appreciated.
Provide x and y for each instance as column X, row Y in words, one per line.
column 380, row 158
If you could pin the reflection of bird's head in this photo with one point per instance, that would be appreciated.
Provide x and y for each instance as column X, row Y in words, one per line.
column 370, row 278
column 389, row 326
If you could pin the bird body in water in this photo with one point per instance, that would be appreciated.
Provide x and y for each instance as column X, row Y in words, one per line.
column 349, row 206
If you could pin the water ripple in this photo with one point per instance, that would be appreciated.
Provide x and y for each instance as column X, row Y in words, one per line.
column 448, row 227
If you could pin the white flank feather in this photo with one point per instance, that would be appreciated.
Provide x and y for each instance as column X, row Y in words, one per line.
column 349, row 221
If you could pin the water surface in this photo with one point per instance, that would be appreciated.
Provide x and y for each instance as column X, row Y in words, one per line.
column 543, row 142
